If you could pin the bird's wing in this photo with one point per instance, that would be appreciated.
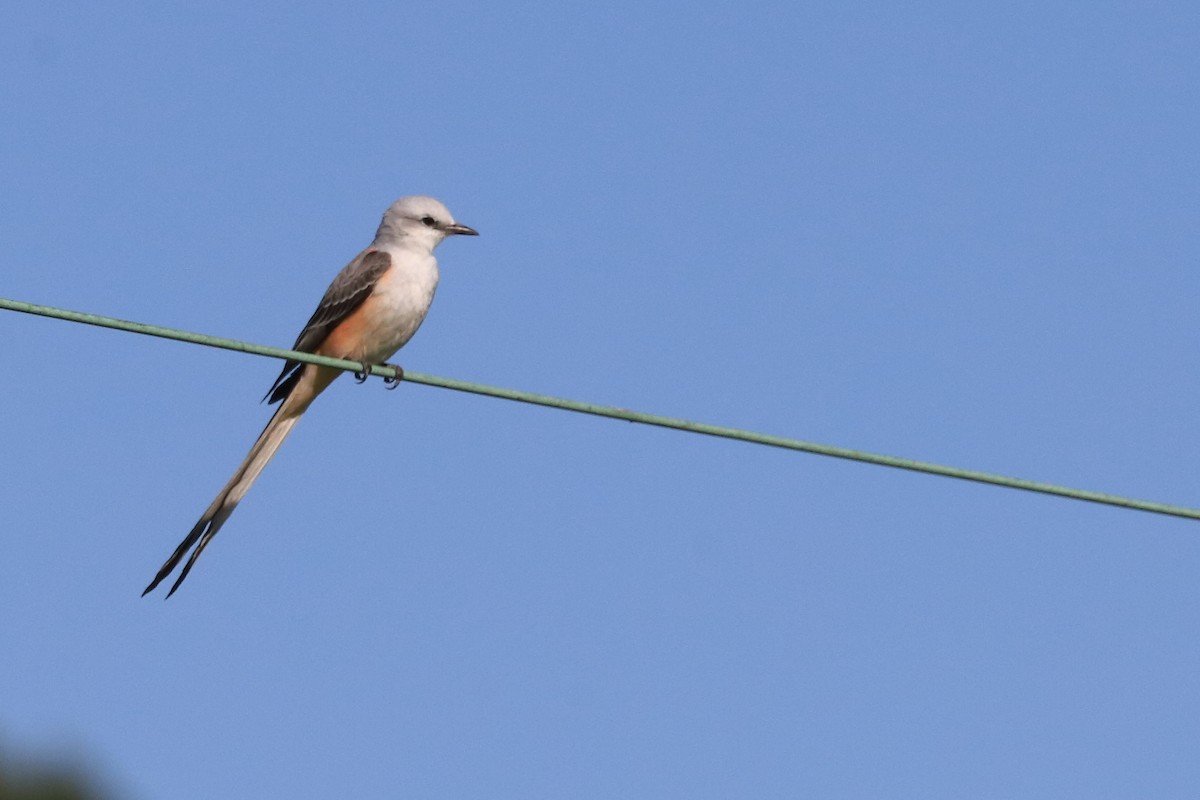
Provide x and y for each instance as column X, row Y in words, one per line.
column 349, row 289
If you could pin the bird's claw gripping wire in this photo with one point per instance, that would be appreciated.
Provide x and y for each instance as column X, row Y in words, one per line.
column 390, row 383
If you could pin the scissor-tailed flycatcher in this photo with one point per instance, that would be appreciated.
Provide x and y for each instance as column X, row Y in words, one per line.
column 370, row 310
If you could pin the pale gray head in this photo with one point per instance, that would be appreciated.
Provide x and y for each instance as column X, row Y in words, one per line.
column 421, row 220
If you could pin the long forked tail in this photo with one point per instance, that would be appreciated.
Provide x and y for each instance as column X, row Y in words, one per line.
column 227, row 499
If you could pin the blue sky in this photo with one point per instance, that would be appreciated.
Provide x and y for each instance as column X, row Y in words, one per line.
column 951, row 232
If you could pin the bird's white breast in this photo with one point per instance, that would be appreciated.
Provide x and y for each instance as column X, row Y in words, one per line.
column 400, row 301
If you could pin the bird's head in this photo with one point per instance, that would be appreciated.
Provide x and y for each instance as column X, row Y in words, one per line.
column 422, row 219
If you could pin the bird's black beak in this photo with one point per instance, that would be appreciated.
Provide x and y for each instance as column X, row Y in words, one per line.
column 460, row 229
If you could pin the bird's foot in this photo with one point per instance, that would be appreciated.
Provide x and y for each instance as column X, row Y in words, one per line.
column 361, row 377
column 392, row 383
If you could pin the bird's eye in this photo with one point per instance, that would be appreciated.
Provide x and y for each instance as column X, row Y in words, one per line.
column 429, row 222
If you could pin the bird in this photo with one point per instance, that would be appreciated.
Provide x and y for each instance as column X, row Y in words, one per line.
column 370, row 310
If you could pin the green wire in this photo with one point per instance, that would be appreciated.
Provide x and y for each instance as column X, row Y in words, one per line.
column 609, row 411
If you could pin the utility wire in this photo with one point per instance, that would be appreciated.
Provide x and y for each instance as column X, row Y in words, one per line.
column 610, row 411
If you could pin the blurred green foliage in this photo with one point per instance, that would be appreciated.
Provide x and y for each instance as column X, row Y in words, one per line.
column 45, row 780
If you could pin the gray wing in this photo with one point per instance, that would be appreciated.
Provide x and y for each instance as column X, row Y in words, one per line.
column 349, row 289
